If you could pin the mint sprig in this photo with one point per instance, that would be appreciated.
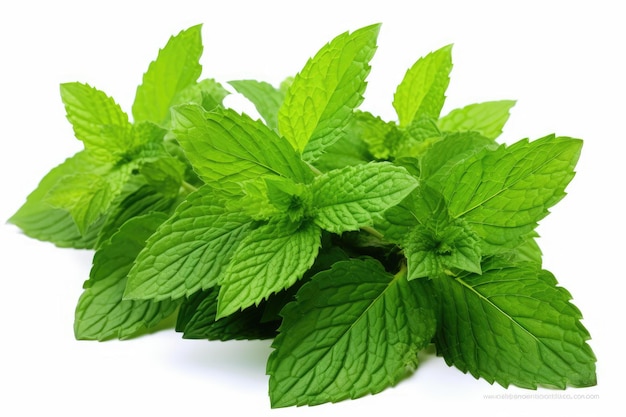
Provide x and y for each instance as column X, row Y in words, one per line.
column 353, row 241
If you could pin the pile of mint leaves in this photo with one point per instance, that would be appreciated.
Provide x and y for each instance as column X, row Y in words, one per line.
column 351, row 241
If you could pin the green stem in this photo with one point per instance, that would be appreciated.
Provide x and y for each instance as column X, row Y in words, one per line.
column 188, row 188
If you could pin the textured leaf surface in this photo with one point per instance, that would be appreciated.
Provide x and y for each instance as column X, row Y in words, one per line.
column 486, row 118
column 355, row 196
column 422, row 90
column 354, row 330
column 226, row 148
column 503, row 193
column 101, row 312
column 38, row 219
column 98, row 121
column 324, row 94
column 271, row 258
column 189, row 251
column 176, row 67
column 197, row 320
column 513, row 325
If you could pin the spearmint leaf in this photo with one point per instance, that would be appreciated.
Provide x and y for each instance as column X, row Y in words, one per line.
column 453, row 147
column 266, row 98
column 433, row 242
column 38, row 219
column 270, row 259
column 197, row 320
column 176, row 67
column 98, row 121
column 101, row 312
column 353, row 330
column 524, row 180
column 513, row 325
column 227, row 149
column 422, row 90
column 487, row 118
column 324, row 94
column 189, row 251
column 355, row 196
column 381, row 137
column 86, row 197
column 144, row 200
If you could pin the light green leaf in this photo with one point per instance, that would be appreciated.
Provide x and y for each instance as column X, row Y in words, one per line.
column 513, row 325
column 101, row 313
column 227, row 148
column 98, row 121
column 422, row 90
column 356, row 196
column 353, row 330
column 270, row 259
column 486, row 118
column 524, row 180
column 176, row 67
column 266, row 98
column 325, row 93
column 38, row 219
column 188, row 252
column 86, row 197
column 208, row 93
column 381, row 137
column 452, row 148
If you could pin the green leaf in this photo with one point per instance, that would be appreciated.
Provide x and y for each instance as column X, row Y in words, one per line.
column 433, row 242
column 356, row 196
column 513, row 325
column 98, row 121
column 176, row 67
column 101, row 312
column 487, row 118
column 422, row 90
column 349, row 149
column 38, row 219
column 354, row 330
column 208, row 93
column 197, row 320
column 524, row 180
column 86, row 197
column 451, row 149
column 227, row 149
column 270, row 259
column 144, row 200
column 324, row 94
column 381, row 137
column 189, row 251
column 266, row 98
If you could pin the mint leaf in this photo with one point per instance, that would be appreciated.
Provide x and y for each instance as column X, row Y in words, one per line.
column 513, row 325
column 86, row 197
column 175, row 68
column 422, row 90
column 525, row 179
column 486, row 118
column 101, row 312
column 266, row 98
column 356, row 196
column 207, row 93
column 324, row 94
column 189, row 251
column 197, row 320
column 452, row 148
column 271, row 258
column 433, row 242
column 38, row 219
column 227, row 149
column 354, row 330
column 98, row 121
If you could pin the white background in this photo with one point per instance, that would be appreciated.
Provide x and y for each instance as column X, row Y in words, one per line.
column 562, row 60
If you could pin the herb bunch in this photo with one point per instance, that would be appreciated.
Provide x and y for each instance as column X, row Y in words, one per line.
column 352, row 241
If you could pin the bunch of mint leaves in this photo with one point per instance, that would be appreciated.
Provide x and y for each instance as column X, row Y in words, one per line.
column 353, row 242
